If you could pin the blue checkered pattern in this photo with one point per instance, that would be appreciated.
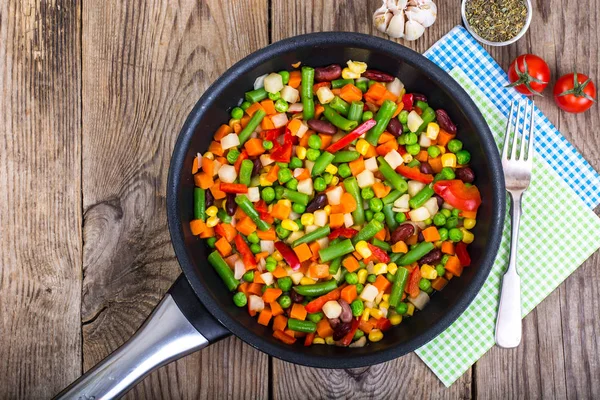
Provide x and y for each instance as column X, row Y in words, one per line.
column 459, row 49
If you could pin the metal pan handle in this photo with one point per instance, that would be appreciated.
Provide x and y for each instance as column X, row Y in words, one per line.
column 178, row 326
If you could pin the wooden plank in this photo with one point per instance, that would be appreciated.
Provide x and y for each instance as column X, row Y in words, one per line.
column 40, row 200
column 291, row 18
column 145, row 65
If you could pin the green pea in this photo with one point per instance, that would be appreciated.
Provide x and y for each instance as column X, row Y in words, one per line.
column 429, row 291
column 411, row 138
column 281, row 105
column 253, row 238
column 358, row 334
column 357, row 307
column 211, row 242
column 282, row 165
column 440, row 270
column 285, row 76
column 267, row 144
column 447, row 213
column 463, row 157
column 445, row 259
column 292, row 184
column 359, row 288
column 443, row 234
column 451, row 222
column 298, row 208
column 319, row 184
column 274, row 96
column 248, row 276
column 327, row 177
column 400, row 217
column 295, row 162
column 422, row 105
column 285, row 301
column 413, row 149
column 255, row 248
column 403, row 117
column 281, row 232
column 455, row 212
column 454, row 145
column 439, row 219
column 405, row 128
column 367, row 115
column 344, row 170
column 284, row 175
column 379, row 216
column 424, row 284
column 244, row 106
column 351, row 278
column 402, row 308
column 268, row 194
column 367, row 193
column 232, row 156
column 371, row 278
column 455, row 235
column 433, row 151
column 279, row 192
column 237, row 113
column 389, row 277
column 315, row 317
column 285, row 283
column 314, row 142
column 239, row 299
column 428, row 221
column 375, row 204
column 270, row 267
column 369, row 215
column 312, row 154
column 447, row 173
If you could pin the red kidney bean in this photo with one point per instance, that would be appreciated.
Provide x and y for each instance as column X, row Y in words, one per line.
column 296, row 298
column 378, row 76
column 445, row 122
column 230, row 204
column 432, row 258
column 439, row 199
column 318, row 202
column 341, row 330
column 426, row 168
column 465, row 174
column 329, row 73
column 334, row 322
column 420, row 97
column 402, row 233
column 209, row 198
column 394, row 127
column 420, row 238
column 256, row 167
column 322, row 126
column 346, row 315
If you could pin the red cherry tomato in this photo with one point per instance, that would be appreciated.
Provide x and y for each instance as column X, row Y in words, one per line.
column 529, row 74
column 574, row 93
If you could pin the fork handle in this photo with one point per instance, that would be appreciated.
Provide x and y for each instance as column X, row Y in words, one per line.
column 508, row 324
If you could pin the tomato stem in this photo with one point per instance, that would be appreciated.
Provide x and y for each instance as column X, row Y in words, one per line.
column 525, row 78
column 578, row 89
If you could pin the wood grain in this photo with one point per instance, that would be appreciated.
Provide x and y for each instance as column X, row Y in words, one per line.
column 40, row 200
column 145, row 64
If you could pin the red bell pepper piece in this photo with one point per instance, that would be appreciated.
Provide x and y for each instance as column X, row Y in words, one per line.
column 288, row 255
column 283, row 152
column 261, row 206
column 380, row 254
column 348, row 233
column 272, row 134
column 346, row 340
column 353, row 135
column 402, row 150
column 238, row 163
column 233, row 188
column 244, row 250
column 412, row 287
column 455, row 193
column 309, row 339
column 414, row 174
column 408, row 100
column 317, row 304
column 383, row 324
column 463, row 254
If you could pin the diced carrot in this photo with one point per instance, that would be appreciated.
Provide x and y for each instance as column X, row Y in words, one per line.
column 254, row 107
column 304, row 175
column 255, row 288
column 294, row 126
column 216, row 191
column 265, row 317
column 254, row 147
column 243, row 288
column 280, row 211
column 319, row 110
column 222, row 160
column 468, row 214
column 351, row 93
column 399, row 247
column 269, row 106
column 197, row 226
column 381, row 283
column 399, row 108
column 208, row 166
column 444, row 137
column 336, row 220
column 258, row 278
column 448, row 275
column 272, row 175
column 279, row 272
column 376, row 92
column 387, row 96
column 227, row 231
column 381, row 190
column 216, row 148
column 275, row 308
column 223, row 131
column 271, row 294
column 325, row 141
column 304, row 139
column 357, row 166
column 365, row 326
column 291, row 333
column 203, row 180
column 381, row 234
column 436, row 164
column 412, row 240
column 237, row 127
column 448, row 247
column 357, row 255
column 453, row 266
column 336, row 92
column 319, row 85
column 439, row 283
column 349, row 293
column 348, row 203
column 207, row 233
column 324, row 328
column 285, row 338
column 244, row 121
column 303, row 252
column 280, row 323
column 319, row 270
column 431, row 234
column 246, row 226
column 314, row 249
column 266, row 124
column 298, row 312
column 267, row 235
column 261, row 255
column 422, row 156
column 295, row 79
column 350, row 263
column 386, row 137
column 371, row 152
column 195, row 166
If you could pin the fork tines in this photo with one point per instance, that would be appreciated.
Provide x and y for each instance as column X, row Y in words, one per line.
column 518, row 125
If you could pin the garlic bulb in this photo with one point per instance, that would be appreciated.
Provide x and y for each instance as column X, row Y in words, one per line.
column 405, row 18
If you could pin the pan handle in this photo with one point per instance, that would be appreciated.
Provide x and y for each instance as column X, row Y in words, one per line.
column 178, row 326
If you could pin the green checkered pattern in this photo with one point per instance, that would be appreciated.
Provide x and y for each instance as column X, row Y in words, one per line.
column 558, row 233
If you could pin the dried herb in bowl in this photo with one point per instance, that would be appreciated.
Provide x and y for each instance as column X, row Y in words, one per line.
column 496, row 20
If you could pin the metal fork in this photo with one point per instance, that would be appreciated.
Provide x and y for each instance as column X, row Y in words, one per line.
column 517, row 174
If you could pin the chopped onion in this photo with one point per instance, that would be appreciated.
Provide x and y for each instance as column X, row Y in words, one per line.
column 296, row 277
column 402, row 203
column 394, row 159
column 420, row 301
column 419, row 214
column 229, row 141
column 290, row 94
column 227, row 173
column 335, row 196
column 267, row 246
column 295, row 108
column 298, row 172
column 415, row 187
column 216, row 167
column 432, row 206
column 253, row 194
column 255, row 303
column 302, row 130
column 320, row 217
column 348, row 220
column 369, row 293
column 414, row 121
column 260, row 82
column 273, row 83
column 279, row 120
column 268, row 278
column 332, row 309
column 265, row 159
column 424, row 141
column 365, row 179
column 371, row 164
column 395, row 86
column 305, row 186
column 239, row 269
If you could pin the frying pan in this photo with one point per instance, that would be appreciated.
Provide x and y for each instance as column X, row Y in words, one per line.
column 198, row 310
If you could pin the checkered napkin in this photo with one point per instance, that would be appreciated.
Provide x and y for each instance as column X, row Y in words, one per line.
column 559, row 231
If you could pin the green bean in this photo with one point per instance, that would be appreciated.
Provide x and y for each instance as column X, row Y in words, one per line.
column 394, row 257
column 302, row 326
column 321, row 163
column 396, row 181
column 392, row 197
column 318, row 289
column 312, row 236
column 256, row 119
column 427, row 116
column 363, row 85
column 356, row 111
column 223, row 270
column 383, row 117
column 340, row 83
column 337, row 120
column 306, row 93
column 351, row 186
column 247, row 207
column 368, row 231
column 257, row 95
column 199, row 203
column 335, row 265
column 381, row 244
column 415, row 254
column 246, row 172
column 400, row 279
column 420, row 198
column 337, row 250
column 390, row 217
column 340, row 106
column 296, row 197
column 345, row 156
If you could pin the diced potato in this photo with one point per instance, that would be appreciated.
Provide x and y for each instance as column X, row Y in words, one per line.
column 394, row 159
column 290, row 94
column 229, row 141
column 371, row 164
column 419, row 214
column 332, row 309
column 273, row 83
column 227, row 173
column 365, row 179
column 325, row 95
column 414, row 121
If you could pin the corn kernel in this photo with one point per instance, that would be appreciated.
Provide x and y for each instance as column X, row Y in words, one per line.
column 384, row 304
column 469, row 223
column 348, row 74
column 277, row 256
column 357, row 66
column 380, row 268
column 375, row 335
column 428, row 272
column 285, row 203
column 407, row 158
column 263, row 181
column 307, row 219
column 468, row 237
column 433, row 130
column 301, row 152
column 332, row 169
column 449, row 160
column 402, row 93
column 289, row 225
column 281, row 264
column 233, row 121
column 334, row 181
column 394, row 319
column 410, row 309
column 209, row 155
column 362, row 275
column 392, row 268
column 306, row 281
column 376, row 313
column 329, row 340
column 363, row 249
column 362, row 146
column 385, row 297
column 442, row 149
column 327, row 209
column 211, row 222
column 212, row 211
column 366, row 314
column 319, row 340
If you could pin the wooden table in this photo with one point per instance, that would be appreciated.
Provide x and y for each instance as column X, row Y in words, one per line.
column 93, row 95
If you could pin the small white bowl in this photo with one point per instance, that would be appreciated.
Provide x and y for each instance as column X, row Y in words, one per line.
column 482, row 40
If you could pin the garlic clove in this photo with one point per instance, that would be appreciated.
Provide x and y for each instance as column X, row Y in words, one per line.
column 413, row 30
column 424, row 16
column 396, row 26
column 381, row 20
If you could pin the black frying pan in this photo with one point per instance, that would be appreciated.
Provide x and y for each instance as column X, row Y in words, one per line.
column 198, row 310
